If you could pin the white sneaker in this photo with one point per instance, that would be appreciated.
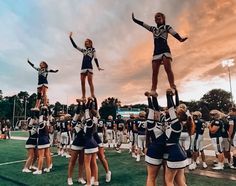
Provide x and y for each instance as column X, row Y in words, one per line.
column 134, row 155
column 118, row 151
column 46, row 170
column 204, row 165
column 69, row 181
column 68, row 156
column 192, row 166
column 218, row 167
column 232, row 166
column 26, row 170
column 108, row 176
column 138, row 158
column 96, row 183
column 37, row 172
column 33, row 167
column 50, row 166
column 92, row 180
column 81, row 180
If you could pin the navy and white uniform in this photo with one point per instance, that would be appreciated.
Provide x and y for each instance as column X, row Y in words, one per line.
column 78, row 125
column 42, row 75
column 120, row 125
column 99, row 131
column 79, row 141
column 88, row 55
column 91, row 145
column 64, row 132
column 109, row 124
column 225, row 135
column 160, row 35
column 197, row 138
column 32, row 141
column 176, row 157
column 133, row 135
column 43, row 136
column 155, row 129
column 216, row 138
column 232, row 122
column 141, row 125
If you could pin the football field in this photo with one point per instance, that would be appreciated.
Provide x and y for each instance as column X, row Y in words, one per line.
column 125, row 170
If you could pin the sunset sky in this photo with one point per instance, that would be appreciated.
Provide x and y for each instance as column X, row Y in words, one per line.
column 39, row 30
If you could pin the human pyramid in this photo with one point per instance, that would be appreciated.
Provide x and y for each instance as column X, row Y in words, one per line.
column 155, row 133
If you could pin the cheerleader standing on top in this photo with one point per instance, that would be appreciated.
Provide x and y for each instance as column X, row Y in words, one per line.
column 87, row 68
column 161, row 54
column 42, row 83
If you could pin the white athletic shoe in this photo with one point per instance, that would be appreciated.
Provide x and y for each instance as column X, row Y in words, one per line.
column 26, row 170
column 34, row 109
column 68, row 156
column 220, row 166
column 37, row 172
column 92, row 180
column 108, row 176
column 81, row 180
column 192, row 166
column 96, row 183
column 134, row 155
column 204, row 165
column 69, row 181
column 138, row 158
column 50, row 166
column 33, row 167
column 118, row 151
column 46, row 170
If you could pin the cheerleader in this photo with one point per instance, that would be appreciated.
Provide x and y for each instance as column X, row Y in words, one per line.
column 156, row 147
column 87, row 67
column 161, row 54
column 176, row 158
column 99, row 123
column 42, row 83
column 31, row 144
column 91, row 146
column 197, row 140
column 215, row 132
column 109, row 125
column 43, row 143
column 77, row 147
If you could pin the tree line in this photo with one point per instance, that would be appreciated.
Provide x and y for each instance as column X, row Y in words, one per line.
column 214, row 99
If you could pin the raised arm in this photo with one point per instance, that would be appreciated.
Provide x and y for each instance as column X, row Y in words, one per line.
column 176, row 35
column 141, row 23
column 73, row 43
column 31, row 64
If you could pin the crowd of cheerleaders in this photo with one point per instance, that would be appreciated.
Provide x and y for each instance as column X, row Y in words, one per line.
column 172, row 138
column 163, row 136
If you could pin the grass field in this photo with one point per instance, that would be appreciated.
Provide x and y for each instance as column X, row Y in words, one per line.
column 125, row 170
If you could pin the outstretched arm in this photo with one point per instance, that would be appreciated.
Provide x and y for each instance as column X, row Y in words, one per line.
column 141, row 23
column 73, row 43
column 53, row 71
column 176, row 35
column 31, row 64
column 96, row 61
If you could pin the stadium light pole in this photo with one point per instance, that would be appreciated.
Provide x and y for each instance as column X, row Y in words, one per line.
column 229, row 63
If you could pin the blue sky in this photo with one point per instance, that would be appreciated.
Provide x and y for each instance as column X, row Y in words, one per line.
column 38, row 30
